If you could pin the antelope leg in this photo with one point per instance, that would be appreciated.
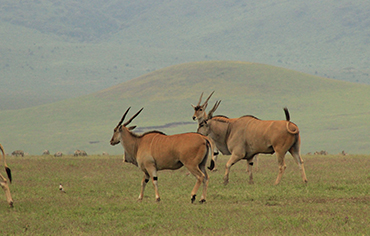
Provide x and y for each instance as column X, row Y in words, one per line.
column 233, row 159
column 143, row 184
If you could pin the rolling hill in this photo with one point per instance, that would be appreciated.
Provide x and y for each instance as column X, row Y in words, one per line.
column 53, row 50
column 332, row 115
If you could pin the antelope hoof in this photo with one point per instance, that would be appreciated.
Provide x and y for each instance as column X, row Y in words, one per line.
column 193, row 198
column 202, row 201
column 158, row 199
column 214, row 170
column 11, row 204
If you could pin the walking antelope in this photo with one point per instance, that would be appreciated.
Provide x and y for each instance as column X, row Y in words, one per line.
column 4, row 182
column 247, row 136
column 154, row 151
column 200, row 115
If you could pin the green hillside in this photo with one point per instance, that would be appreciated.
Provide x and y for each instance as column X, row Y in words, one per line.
column 332, row 115
column 53, row 50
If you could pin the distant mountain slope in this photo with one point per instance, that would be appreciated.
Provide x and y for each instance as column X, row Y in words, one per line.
column 53, row 50
column 332, row 115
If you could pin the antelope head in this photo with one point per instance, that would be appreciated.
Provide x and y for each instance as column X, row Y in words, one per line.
column 116, row 138
column 203, row 128
column 200, row 110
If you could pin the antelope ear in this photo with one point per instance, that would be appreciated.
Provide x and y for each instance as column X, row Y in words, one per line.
column 132, row 127
column 193, row 106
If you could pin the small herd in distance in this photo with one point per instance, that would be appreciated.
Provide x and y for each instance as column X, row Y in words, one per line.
column 241, row 138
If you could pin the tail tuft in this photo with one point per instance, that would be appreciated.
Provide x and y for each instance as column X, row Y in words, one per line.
column 287, row 115
column 212, row 166
column 9, row 173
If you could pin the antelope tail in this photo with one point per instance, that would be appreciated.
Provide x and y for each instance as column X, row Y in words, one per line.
column 287, row 117
column 212, row 165
column 7, row 169
column 210, row 147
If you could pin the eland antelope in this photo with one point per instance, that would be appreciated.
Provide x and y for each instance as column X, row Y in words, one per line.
column 244, row 137
column 154, row 151
column 4, row 182
column 200, row 115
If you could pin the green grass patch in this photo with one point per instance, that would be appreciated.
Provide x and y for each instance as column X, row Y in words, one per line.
column 101, row 193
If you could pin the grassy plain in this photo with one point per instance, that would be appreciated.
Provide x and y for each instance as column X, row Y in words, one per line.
column 101, row 194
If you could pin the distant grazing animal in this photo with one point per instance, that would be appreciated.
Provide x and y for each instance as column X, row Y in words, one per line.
column 3, row 180
column 322, row 152
column 200, row 115
column 244, row 137
column 46, row 152
column 58, row 154
column 154, row 151
column 18, row 153
column 79, row 153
